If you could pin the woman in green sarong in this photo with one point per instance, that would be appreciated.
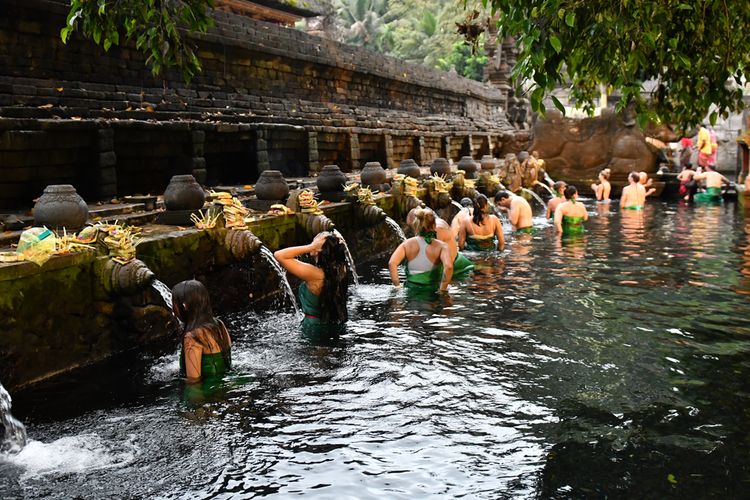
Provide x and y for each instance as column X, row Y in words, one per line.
column 483, row 231
column 206, row 345
column 429, row 262
column 325, row 284
column 570, row 214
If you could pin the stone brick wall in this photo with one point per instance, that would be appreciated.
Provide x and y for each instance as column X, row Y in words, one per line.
column 269, row 97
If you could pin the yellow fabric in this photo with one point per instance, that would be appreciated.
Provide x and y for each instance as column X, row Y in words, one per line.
column 704, row 141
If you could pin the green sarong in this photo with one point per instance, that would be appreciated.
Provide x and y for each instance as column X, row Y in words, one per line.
column 312, row 326
column 711, row 195
column 481, row 243
column 212, row 365
column 461, row 266
column 572, row 225
column 526, row 230
column 633, row 207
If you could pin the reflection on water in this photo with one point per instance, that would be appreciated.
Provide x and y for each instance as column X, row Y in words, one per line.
column 616, row 364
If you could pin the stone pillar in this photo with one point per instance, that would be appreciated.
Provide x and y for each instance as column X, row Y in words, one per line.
column 419, row 155
column 313, row 158
column 468, row 146
column 106, row 173
column 261, row 150
column 198, row 162
column 388, row 151
column 354, row 153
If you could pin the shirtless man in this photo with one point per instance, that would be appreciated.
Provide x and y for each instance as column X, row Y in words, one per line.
column 714, row 181
column 646, row 183
column 559, row 198
column 633, row 195
column 445, row 234
column 519, row 211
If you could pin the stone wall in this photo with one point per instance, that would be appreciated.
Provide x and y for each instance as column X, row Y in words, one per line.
column 269, row 97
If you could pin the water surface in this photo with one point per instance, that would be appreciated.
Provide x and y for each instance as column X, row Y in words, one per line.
column 613, row 365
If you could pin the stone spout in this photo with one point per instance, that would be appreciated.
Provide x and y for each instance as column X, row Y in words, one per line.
column 124, row 279
column 242, row 244
column 314, row 224
column 369, row 215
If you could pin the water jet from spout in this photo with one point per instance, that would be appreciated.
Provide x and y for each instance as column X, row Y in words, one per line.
column 14, row 437
column 281, row 272
column 349, row 258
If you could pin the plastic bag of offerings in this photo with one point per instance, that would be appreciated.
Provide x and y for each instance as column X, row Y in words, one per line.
column 37, row 244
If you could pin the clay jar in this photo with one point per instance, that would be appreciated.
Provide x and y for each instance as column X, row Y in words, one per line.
column 60, row 206
column 330, row 181
column 469, row 166
column 440, row 166
column 373, row 175
column 271, row 185
column 410, row 168
column 184, row 193
column 488, row 163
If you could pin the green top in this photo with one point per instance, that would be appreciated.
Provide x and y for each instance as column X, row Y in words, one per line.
column 312, row 326
column 633, row 207
column 212, row 365
column 572, row 225
column 310, row 303
column 476, row 243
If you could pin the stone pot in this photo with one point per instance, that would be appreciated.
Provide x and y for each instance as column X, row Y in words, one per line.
column 373, row 175
column 469, row 166
column 488, row 163
column 330, row 180
column 440, row 166
column 60, row 206
column 410, row 168
column 184, row 193
column 271, row 185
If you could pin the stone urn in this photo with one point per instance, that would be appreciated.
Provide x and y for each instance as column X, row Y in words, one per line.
column 373, row 175
column 488, row 163
column 469, row 166
column 60, row 206
column 410, row 168
column 271, row 185
column 184, row 193
column 440, row 166
column 331, row 182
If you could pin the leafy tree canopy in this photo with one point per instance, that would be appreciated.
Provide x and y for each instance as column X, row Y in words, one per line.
column 693, row 53
column 154, row 25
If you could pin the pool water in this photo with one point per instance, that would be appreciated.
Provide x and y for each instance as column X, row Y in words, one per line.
column 612, row 365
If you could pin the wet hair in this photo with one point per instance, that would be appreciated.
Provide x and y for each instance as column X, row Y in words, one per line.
column 466, row 202
column 559, row 185
column 501, row 195
column 605, row 173
column 480, row 208
column 333, row 295
column 570, row 191
column 192, row 305
column 635, row 177
column 425, row 220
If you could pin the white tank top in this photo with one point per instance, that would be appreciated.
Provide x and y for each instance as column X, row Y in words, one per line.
column 420, row 263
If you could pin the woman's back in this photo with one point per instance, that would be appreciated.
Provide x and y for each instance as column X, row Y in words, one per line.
column 484, row 228
column 573, row 209
column 422, row 256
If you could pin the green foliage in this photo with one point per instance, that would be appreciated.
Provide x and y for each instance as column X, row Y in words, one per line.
column 468, row 61
column 154, row 25
column 693, row 54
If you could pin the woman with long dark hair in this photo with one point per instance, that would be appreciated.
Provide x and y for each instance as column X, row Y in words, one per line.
column 206, row 345
column 483, row 231
column 570, row 214
column 323, row 293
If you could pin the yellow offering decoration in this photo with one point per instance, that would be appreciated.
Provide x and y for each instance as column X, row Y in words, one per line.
column 308, row 204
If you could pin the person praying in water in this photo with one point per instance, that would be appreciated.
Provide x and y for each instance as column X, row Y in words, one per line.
column 519, row 211
column 570, row 214
column 633, row 196
column 559, row 188
column 602, row 190
column 483, row 231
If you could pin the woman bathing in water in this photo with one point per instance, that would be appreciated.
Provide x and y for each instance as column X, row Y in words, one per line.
column 602, row 189
column 428, row 259
column 559, row 188
column 570, row 214
column 206, row 346
column 483, row 231
column 325, row 284
column 688, row 185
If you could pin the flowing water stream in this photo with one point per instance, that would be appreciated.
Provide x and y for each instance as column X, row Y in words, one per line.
column 13, row 437
column 614, row 365
column 281, row 273
column 396, row 228
column 349, row 258
column 164, row 291
column 536, row 197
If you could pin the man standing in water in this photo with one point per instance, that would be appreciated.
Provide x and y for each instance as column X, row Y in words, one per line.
column 519, row 211
column 714, row 180
column 633, row 195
